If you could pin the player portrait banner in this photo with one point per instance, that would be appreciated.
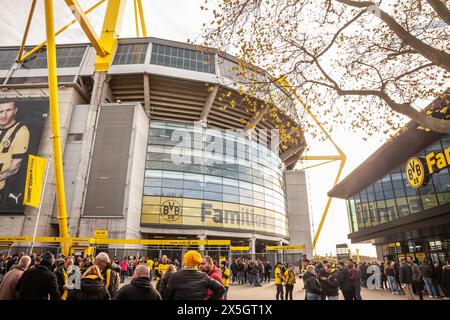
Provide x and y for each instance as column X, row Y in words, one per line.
column 21, row 124
column 34, row 181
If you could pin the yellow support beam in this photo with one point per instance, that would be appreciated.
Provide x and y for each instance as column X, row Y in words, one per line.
column 319, row 164
column 327, row 206
column 42, row 44
column 141, row 14
column 56, row 131
column 27, row 29
column 332, row 158
column 110, row 32
column 155, row 242
column 285, row 84
column 136, row 18
column 89, row 31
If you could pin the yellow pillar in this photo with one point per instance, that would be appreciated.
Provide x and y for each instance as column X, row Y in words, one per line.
column 56, row 131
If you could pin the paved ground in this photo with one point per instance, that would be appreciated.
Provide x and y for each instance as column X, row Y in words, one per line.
column 268, row 291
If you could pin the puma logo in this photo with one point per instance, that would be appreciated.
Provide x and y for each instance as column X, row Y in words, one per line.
column 14, row 197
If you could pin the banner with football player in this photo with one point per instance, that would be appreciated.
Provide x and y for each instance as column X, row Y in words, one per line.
column 21, row 125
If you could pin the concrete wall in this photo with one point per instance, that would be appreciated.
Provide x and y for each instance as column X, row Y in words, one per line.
column 23, row 225
column 71, row 159
column 298, row 210
column 127, row 226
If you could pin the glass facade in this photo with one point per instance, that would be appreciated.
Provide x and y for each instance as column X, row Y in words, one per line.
column 432, row 243
column 182, row 58
column 392, row 197
column 66, row 57
column 133, row 53
column 7, row 58
column 216, row 169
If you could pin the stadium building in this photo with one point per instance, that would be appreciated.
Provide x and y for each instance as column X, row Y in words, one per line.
column 142, row 149
column 399, row 198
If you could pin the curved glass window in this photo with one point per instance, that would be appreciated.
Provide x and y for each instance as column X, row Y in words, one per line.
column 228, row 169
column 391, row 197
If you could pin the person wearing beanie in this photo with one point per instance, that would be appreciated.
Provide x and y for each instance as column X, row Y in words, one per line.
column 40, row 282
column 191, row 284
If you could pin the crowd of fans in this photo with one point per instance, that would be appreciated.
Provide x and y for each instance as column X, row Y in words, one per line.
column 42, row 277
column 76, row 278
column 324, row 279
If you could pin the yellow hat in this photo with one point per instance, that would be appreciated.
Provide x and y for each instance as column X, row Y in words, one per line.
column 192, row 258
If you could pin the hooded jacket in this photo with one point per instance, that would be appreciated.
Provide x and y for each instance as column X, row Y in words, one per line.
column 92, row 288
column 139, row 289
column 192, row 284
column 312, row 283
column 37, row 283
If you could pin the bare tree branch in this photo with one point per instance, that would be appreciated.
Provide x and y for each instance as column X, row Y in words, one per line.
column 439, row 57
column 441, row 9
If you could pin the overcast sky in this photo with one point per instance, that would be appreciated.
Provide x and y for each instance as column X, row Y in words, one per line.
column 181, row 20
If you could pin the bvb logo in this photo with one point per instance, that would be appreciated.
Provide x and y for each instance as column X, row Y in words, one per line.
column 171, row 210
column 415, row 172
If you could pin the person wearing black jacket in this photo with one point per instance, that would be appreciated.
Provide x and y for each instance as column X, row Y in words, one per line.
column 140, row 287
column 234, row 271
column 406, row 280
column 313, row 287
column 332, row 283
column 110, row 276
column 39, row 282
column 323, row 277
column 91, row 286
column 427, row 275
column 63, row 273
column 344, row 282
column 191, row 284
column 13, row 260
column 165, row 279
column 445, row 280
column 241, row 272
column 267, row 271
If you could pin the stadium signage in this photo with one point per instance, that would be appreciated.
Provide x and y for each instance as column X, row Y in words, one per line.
column 187, row 212
column 418, row 170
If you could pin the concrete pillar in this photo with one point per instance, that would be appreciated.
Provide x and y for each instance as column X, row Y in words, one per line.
column 252, row 244
column 280, row 252
column 202, row 247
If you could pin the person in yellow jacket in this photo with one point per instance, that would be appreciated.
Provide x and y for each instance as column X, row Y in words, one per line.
column 289, row 276
column 279, row 279
column 162, row 268
column 151, row 264
column 226, row 277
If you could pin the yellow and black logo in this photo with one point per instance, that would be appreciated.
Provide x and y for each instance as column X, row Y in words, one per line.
column 171, row 210
column 416, row 174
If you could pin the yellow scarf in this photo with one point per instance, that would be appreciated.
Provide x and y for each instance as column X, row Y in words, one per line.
column 66, row 292
column 108, row 278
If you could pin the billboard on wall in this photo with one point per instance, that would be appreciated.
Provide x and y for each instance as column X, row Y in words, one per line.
column 21, row 125
column 185, row 212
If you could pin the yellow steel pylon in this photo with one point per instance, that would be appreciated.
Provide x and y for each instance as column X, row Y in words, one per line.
column 341, row 157
column 104, row 46
column 56, row 131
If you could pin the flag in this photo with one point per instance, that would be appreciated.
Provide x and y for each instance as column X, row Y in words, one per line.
column 34, row 181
